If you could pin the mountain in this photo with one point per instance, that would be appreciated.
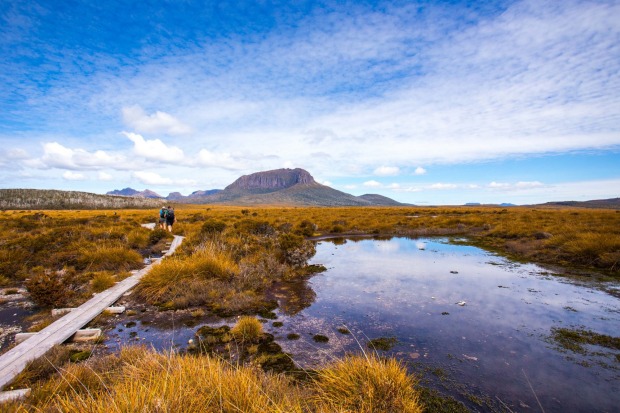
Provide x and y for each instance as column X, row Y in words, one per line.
column 377, row 199
column 198, row 194
column 147, row 193
column 53, row 199
column 175, row 196
column 611, row 203
column 287, row 187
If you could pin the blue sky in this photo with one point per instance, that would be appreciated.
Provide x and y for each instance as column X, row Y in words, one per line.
column 426, row 102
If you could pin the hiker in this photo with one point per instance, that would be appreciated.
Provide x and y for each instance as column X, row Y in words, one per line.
column 162, row 217
column 170, row 218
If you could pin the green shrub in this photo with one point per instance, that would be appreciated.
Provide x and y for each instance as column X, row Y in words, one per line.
column 212, row 226
column 306, row 228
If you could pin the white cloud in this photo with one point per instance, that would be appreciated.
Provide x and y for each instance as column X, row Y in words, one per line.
column 158, row 122
column 17, row 153
column 56, row 155
column 220, row 160
column 326, row 183
column 499, row 185
column 526, row 185
column 419, row 171
column 442, row 186
column 518, row 186
column 372, row 184
column 394, row 186
column 151, row 178
column 387, row 171
column 154, row 149
column 73, row 176
column 103, row 176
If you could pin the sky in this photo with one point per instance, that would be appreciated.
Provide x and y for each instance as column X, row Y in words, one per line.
column 428, row 102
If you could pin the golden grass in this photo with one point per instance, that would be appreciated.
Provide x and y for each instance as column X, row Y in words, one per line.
column 247, row 329
column 141, row 380
column 365, row 384
column 197, row 274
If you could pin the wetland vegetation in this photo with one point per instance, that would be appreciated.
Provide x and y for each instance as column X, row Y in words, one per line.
column 228, row 266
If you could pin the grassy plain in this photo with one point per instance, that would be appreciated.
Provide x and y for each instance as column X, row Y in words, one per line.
column 229, row 259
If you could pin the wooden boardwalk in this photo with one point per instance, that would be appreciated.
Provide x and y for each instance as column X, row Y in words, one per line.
column 14, row 361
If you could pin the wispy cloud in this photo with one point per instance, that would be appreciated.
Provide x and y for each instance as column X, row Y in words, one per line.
column 372, row 184
column 154, row 149
column 158, row 122
column 387, row 171
column 437, row 85
column 73, row 176
column 153, row 178
column 56, row 155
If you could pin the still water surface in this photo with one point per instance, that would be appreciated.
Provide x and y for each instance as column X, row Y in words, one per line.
column 497, row 343
column 492, row 351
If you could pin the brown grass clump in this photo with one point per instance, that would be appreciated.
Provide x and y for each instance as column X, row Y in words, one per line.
column 247, row 329
column 141, row 380
column 101, row 257
column 102, row 281
column 193, row 280
column 144, row 381
column 367, row 384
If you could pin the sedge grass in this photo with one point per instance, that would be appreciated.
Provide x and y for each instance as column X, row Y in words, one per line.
column 247, row 329
column 141, row 380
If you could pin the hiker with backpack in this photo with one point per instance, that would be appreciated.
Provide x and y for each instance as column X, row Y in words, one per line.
column 162, row 217
column 170, row 218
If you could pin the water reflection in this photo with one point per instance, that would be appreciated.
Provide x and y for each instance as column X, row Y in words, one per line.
column 483, row 320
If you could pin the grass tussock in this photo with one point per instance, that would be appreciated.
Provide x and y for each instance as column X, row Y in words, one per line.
column 367, row 384
column 247, row 329
column 141, row 380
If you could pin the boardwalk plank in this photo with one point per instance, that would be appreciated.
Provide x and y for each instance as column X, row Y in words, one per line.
column 15, row 360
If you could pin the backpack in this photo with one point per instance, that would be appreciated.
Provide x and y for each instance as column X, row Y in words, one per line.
column 163, row 212
column 170, row 215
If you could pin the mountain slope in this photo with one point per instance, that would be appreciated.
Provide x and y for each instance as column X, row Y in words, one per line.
column 147, row 193
column 280, row 187
column 611, row 203
column 286, row 187
column 52, row 199
column 377, row 199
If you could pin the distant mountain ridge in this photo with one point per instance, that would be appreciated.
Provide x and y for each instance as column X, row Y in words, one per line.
column 288, row 187
column 54, row 199
column 275, row 187
column 147, row 193
column 611, row 203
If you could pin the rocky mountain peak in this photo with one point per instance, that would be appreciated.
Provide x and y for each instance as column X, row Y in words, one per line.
column 273, row 180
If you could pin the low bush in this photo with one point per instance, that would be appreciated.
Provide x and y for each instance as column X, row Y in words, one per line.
column 212, row 226
column 53, row 288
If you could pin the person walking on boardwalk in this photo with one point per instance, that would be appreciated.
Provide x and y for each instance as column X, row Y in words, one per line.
column 162, row 217
column 170, row 218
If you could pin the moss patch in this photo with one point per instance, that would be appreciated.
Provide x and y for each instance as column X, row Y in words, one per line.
column 574, row 340
column 382, row 343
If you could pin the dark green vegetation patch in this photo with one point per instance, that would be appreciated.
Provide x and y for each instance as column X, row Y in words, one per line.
column 382, row 343
column 320, row 338
column 574, row 340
